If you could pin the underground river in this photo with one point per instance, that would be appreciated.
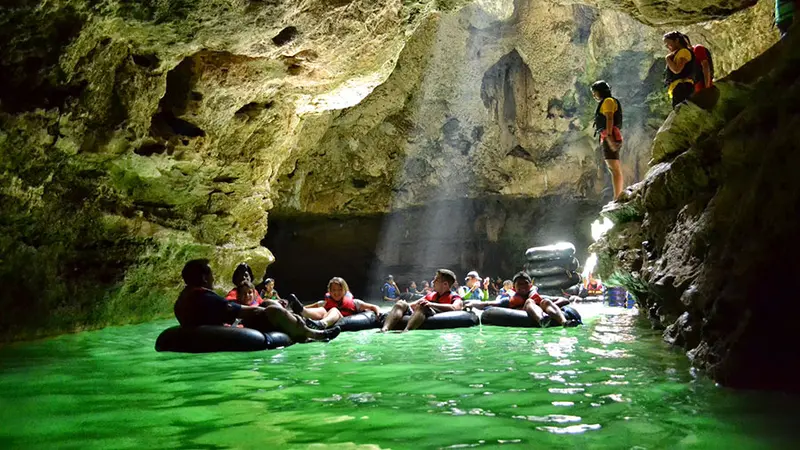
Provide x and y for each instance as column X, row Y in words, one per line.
column 609, row 384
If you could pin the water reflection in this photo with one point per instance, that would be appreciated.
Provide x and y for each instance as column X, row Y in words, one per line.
column 534, row 388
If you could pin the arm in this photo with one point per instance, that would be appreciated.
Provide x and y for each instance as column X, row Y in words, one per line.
column 706, row 73
column 386, row 297
column 675, row 65
column 610, row 131
column 442, row 307
column 318, row 304
column 484, row 305
column 248, row 311
column 364, row 306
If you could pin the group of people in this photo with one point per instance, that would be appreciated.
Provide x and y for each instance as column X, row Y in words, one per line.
column 260, row 307
column 474, row 288
column 444, row 298
column 689, row 70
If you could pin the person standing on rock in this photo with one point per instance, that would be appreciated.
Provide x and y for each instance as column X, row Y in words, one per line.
column 608, row 122
column 679, row 73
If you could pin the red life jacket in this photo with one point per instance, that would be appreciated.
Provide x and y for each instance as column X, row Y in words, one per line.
column 448, row 298
column 594, row 288
column 231, row 297
column 517, row 301
column 347, row 307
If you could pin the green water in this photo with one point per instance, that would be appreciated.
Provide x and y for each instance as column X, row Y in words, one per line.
column 605, row 385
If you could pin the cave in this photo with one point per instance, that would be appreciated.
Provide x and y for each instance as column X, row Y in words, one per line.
column 489, row 234
column 148, row 148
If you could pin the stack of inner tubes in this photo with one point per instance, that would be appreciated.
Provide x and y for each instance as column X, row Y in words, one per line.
column 553, row 268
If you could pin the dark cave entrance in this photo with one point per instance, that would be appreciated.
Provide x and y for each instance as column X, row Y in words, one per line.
column 486, row 234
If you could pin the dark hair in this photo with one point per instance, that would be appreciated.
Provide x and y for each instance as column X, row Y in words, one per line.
column 239, row 271
column 268, row 281
column 195, row 272
column 447, row 275
column 522, row 274
column 244, row 286
column 680, row 37
column 602, row 88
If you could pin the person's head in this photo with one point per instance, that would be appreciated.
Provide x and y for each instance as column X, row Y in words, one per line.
column 337, row 287
column 425, row 284
column 245, row 293
column 242, row 272
column 601, row 90
column 472, row 278
column 389, row 279
column 197, row 273
column 675, row 40
column 522, row 283
column 413, row 285
column 269, row 284
column 508, row 284
column 443, row 281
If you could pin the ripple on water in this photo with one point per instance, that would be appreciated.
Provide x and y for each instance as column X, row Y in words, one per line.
column 606, row 385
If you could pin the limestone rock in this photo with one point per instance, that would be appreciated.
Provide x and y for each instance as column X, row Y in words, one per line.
column 678, row 12
column 719, row 234
column 137, row 135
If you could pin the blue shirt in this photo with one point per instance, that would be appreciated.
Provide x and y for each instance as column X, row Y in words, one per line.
column 389, row 291
column 199, row 306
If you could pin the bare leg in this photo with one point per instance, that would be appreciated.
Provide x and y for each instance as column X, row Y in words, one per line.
column 616, row 176
column 331, row 317
column 291, row 324
column 269, row 302
column 314, row 313
column 394, row 316
column 535, row 313
column 553, row 311
column 416, row 319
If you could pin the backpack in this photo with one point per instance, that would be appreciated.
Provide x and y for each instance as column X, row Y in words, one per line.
column 698, row 67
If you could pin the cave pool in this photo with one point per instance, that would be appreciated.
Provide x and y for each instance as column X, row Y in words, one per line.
column 611, row 384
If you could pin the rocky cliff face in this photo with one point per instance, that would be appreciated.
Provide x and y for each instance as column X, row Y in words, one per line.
column 137, row 135
column 708, row 240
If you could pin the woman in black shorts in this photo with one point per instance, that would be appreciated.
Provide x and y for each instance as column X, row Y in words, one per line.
column 607, row 123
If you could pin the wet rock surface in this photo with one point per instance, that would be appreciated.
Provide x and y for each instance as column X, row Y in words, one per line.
column 707, row 240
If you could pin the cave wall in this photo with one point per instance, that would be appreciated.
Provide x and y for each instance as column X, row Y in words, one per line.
column 514, row 119
column 707, row 240
column 137, row 135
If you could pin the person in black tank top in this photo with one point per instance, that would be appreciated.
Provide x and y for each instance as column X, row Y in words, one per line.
column 607, row 124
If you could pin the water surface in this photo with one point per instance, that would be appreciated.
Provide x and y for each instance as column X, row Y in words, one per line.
column 607, row 385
